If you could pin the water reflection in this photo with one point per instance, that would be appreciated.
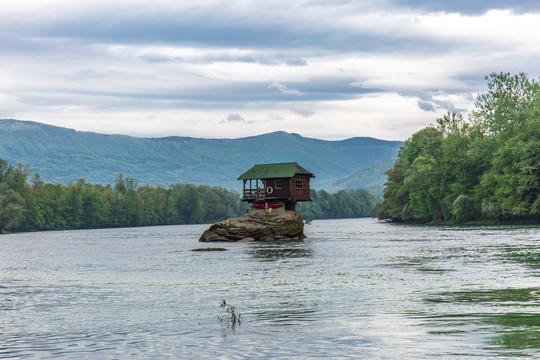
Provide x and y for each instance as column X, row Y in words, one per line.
column 499, row 297
column 502, row 331
column 528, row 256
column 285, row 304
column 279, row 251
column 285, row 313
column 516, row 331
column 426, row 263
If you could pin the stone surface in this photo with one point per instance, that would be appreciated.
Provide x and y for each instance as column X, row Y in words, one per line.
column 258, row 226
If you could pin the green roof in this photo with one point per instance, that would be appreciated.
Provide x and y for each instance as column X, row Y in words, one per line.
column 274, row 171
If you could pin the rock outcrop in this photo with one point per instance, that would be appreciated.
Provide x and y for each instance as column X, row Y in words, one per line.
column 258, row 226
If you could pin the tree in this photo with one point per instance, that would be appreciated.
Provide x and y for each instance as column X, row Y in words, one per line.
column 73, row 203
column 511, row 111
column 152, row 200
column 53, row 208
column 119, row 183
column 133, row 208
column 83, row 205
column 508, row 95
column 486, row 168
column 342, row 204
column 17, row 180
column 190, row 205
column 11, row 209
column 6, row 170
column 95, row 208
column 462, row 209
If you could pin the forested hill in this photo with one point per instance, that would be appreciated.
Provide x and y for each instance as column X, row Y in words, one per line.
column 484, row 169
column 62, row 155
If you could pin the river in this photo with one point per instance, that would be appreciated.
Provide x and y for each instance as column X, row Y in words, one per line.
column 355, row 288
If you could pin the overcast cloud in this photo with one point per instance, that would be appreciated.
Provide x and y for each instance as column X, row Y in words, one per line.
column 324, row 68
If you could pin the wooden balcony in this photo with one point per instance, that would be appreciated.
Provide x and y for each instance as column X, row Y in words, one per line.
column 252, row 195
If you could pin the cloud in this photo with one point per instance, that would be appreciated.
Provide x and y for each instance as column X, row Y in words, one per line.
column 426, row 106
column 284, row 89
column 322, row 68
column 470, row 7
column 296, row 62
column 234, row 118
column 303, row 111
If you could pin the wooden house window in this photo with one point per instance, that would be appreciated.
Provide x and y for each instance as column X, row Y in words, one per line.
column 278, row 184
column 299, row 183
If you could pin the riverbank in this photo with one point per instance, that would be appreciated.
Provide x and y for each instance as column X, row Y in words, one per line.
column 475, row 223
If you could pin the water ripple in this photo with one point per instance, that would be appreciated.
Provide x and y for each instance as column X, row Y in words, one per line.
column 354, row 289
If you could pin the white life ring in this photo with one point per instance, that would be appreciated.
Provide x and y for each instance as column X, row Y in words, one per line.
column 269, row 190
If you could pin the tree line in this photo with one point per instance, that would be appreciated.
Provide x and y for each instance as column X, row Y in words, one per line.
column 357, row 203
column 27, row 203
column 486, row 168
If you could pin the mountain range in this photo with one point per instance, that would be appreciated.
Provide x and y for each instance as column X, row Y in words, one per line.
column 61, row 155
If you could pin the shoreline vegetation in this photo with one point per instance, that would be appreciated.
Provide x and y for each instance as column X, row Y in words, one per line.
column 484, row 170
column 27, row 203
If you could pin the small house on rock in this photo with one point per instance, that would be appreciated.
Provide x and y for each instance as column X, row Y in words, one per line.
column 276, row 186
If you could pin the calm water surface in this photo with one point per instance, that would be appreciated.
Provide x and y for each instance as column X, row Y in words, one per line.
column 353, row 289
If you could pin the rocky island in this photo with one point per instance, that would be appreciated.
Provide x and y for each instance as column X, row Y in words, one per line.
column 273, row 191
column 258, row 226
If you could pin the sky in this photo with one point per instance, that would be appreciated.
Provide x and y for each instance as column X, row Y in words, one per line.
column 328, row 69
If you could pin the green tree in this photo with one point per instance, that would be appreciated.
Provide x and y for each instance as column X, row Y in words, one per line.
column 462, row 209
column 6, row 171
column 73, row 203
column 11, row 209
column 507, row 98
column 342, row 204
column 486, row 168
column 133, row 208
column 95, row 208
column 17, row 180
column 120, row 183
column 190, row 205
column 83, row 205
column 117, row 209
column 511, row 111
column 152, row 201
column 53, row 208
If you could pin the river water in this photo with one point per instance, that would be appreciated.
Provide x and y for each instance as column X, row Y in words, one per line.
column 354, row 288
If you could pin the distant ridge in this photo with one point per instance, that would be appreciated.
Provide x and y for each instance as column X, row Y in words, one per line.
column 62, row 155
column 371, row 179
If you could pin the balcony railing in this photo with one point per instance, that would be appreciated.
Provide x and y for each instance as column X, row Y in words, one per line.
column 256, row 194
